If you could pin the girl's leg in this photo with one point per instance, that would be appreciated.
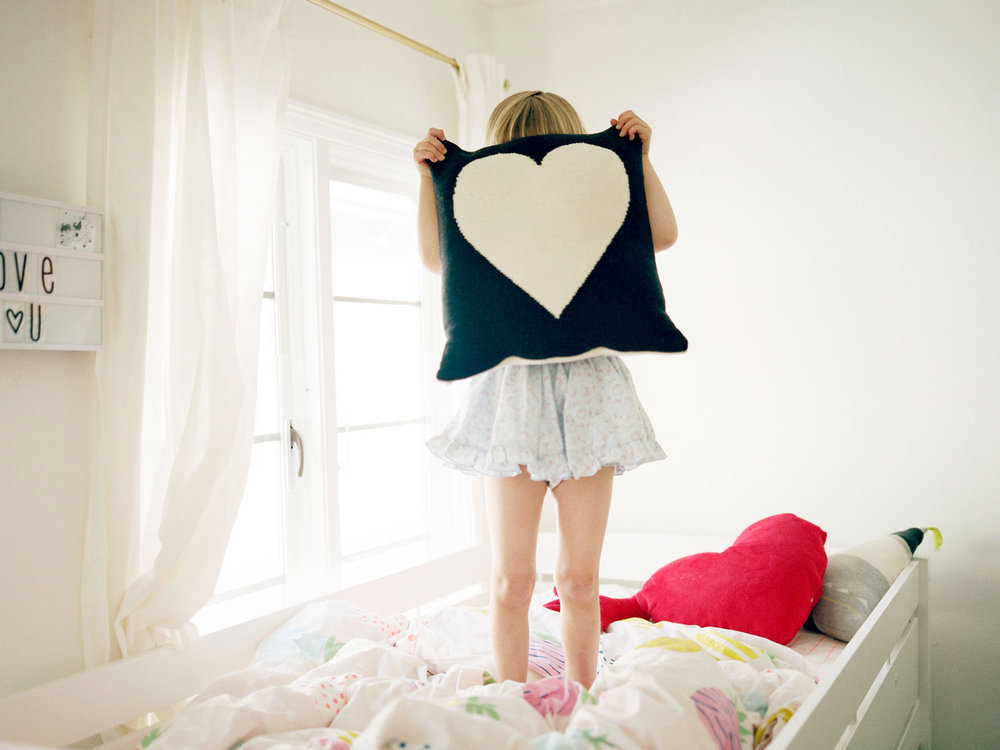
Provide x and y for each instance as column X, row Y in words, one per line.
column 514, row 507
column 583, row 506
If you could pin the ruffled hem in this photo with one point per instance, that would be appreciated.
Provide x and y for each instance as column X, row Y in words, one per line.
column 501, row 462
column 561, row 420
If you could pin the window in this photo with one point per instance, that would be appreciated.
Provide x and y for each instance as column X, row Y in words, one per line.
column 350, row 336
column 379, row 356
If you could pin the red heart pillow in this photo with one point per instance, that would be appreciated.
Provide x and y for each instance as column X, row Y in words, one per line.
column 766, row 583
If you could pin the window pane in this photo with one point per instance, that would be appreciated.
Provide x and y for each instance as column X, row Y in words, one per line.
column 269, row 269
column 266, row 421
column 374, row 235
column 378, row 351
column 256, row 550
column 383, row 495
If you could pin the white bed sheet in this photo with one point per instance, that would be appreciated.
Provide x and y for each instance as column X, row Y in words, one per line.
column 821, row 651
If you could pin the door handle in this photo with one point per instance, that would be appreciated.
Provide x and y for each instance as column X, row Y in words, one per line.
column 295, row 441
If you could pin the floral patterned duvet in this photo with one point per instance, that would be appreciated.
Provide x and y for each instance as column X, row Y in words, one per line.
column 338, row 677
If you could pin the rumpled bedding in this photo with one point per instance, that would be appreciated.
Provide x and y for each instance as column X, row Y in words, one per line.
column 338, row 677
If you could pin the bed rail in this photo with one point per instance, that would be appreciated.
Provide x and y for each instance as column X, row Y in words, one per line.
column 863, row 690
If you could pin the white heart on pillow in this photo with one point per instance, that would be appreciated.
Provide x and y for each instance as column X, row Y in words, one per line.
column 544, row 226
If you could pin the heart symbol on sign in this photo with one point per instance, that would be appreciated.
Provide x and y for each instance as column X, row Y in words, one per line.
column 544, row 226
column 14, row 319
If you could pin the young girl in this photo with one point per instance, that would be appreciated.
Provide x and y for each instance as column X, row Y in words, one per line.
column 569, row 427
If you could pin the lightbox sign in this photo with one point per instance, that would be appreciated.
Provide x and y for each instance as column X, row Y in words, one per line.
column 51, row 268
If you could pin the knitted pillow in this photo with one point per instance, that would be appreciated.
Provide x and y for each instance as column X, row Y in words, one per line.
column 859, row 576
column 546, row 253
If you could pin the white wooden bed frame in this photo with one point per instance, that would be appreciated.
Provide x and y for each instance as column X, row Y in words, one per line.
column 876, row 695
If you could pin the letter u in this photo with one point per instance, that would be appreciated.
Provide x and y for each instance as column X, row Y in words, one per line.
column 36, row 335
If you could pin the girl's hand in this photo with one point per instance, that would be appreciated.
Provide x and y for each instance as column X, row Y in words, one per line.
column 662, row 224
column 429, row 149
column 628, row 123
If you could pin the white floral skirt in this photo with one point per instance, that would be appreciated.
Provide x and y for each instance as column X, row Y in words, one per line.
column 562, row 421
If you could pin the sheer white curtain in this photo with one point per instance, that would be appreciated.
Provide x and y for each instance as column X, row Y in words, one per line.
column 479, row 83
column 189, row 97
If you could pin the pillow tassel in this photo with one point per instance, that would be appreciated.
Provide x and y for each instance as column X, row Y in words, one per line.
column 915, row 535
column 936, row 536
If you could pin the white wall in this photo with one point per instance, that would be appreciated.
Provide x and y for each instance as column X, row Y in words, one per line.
column 47, row 400
column 348, row 69
column 835, row 170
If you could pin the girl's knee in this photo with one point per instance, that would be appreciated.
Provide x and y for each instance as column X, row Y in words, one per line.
column 577, row 587
column 514, row 588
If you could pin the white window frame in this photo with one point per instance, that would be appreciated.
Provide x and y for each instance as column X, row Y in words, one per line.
column 318, row 146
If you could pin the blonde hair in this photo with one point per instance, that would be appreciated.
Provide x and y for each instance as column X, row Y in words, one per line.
column 531, row 113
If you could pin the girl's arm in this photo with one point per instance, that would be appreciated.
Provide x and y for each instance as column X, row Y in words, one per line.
column 429, row 149
column 662, row 223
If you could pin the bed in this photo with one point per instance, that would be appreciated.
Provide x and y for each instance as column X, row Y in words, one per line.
column 873, row 692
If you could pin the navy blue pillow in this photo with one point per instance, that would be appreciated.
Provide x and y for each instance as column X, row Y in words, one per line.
column 546, row 253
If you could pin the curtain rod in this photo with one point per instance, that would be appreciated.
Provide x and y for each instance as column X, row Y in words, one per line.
column 384, row 31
